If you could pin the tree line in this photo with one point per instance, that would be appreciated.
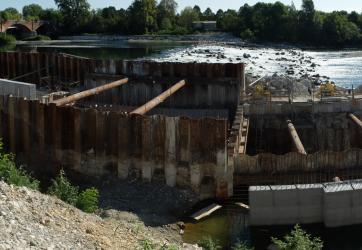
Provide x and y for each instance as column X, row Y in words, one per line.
column 263, row 22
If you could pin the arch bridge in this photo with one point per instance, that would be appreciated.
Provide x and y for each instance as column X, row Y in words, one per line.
column 22, row 25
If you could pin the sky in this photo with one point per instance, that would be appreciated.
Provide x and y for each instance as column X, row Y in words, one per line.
column 324, row 5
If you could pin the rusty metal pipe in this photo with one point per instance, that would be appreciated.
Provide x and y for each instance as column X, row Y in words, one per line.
column 356, row 120
column 296, row 140
column 159, row 99
column 90, row 92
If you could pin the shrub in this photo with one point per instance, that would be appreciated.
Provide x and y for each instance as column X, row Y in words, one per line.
column 88, row 200
column 6, row 39
column 298, row 240
column 208, row 243
column 13, row 175
column 63, row 189
column 240, row 245
column 147, row 245
column 247, row 34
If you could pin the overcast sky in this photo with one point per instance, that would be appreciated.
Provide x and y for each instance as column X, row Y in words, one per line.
column 325, row 5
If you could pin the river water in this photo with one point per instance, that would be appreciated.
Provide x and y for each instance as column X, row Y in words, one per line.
column 343, row 67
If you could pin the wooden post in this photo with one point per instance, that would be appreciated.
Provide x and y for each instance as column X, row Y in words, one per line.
column 159, row 99
column 296, row 140
column 90, row 92
column 356, row 120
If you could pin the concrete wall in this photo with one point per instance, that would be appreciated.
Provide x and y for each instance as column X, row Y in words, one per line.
column 178, row 151
column 296, row 108
column 19, row 89
column 334, row 204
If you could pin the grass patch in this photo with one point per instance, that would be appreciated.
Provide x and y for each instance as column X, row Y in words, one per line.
column 6, row 39
column 10, row 174
column 209, row 243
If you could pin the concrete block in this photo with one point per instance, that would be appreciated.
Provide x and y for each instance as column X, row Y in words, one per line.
column 18, row 89
column 261, row 204
column 310, row 198
column 357, row 202
column 337, row 201
column 286, row 208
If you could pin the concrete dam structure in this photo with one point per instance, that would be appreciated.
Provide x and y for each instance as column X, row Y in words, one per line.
column 188, row 125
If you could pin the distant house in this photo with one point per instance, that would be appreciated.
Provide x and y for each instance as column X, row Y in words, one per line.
column 204, row 25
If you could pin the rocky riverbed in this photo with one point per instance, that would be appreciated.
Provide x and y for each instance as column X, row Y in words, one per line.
column 260, row 61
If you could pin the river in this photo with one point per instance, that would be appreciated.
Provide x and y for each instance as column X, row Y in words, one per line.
column 343, row 67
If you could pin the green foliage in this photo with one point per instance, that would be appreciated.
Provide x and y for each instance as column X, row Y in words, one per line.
column 38, row 38
column 147, row 245
column 10, row 14
column 142, row 15
column 298, row 240
column 247, row 34
column 63, row 189
column 88, row 200
column 13, row 175
column 240, row 245
column 169, row 247
column 6, row 39
column 75, row 14
column 271, row 22
column 208, row 243
column 32, row 12
column 187, row 17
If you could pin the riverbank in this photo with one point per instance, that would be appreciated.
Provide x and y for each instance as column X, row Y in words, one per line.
column 130, row 215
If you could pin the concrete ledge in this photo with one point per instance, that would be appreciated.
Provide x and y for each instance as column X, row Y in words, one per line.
column 18, row 89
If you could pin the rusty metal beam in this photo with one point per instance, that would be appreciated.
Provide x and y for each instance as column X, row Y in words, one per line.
column 159, row 99
column 90, row 92
column 356, row 120
column 296, row 140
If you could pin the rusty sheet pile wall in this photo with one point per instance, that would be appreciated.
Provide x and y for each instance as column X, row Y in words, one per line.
column 69, row 67
column 178, row 151
column 293, row 168
column 208, row 85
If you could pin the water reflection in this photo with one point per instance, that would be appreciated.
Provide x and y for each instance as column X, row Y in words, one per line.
column 100, row 49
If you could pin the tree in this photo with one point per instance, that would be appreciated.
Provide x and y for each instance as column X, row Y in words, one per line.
column 307, row 17
column 208, row 15
column 187, row 17
column 166, row 13
column 76, row 13
column 10, row 14
column 298, row 240
column 198, row 11
column 337, row 30
column 143, row 16
column 32, row 12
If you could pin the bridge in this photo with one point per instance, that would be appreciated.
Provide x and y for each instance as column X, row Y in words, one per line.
column 22, row 25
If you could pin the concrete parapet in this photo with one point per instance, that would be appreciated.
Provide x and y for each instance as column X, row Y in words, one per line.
column 334, row 204
column 337, row 204
column 18, row 89
column 310, row 201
